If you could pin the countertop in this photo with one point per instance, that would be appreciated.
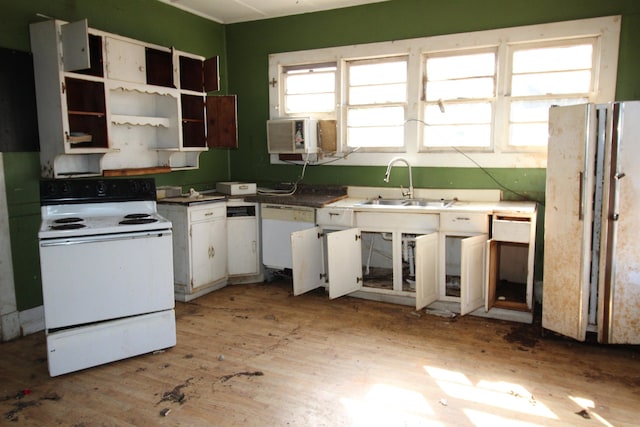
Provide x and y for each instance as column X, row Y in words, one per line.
column 188, row 201
column 314, row 196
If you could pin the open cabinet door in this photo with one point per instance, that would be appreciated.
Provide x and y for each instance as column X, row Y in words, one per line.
column 306, row 258
column 426, row 270
column 344, row 249
column 491, row 273
column 75, row 46
column 222, row 122
column 568, row 218
column 472, row 277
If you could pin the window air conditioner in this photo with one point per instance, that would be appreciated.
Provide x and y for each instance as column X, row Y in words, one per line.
column 291, row 136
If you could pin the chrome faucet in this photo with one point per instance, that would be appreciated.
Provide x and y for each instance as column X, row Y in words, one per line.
column 386, row 175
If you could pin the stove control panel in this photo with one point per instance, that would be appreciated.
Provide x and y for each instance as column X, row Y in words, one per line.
column 96, row 190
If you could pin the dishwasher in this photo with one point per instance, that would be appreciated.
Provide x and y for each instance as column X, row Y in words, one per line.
column 278, row 222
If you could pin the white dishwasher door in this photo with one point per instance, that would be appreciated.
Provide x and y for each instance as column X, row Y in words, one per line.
column 278, row 222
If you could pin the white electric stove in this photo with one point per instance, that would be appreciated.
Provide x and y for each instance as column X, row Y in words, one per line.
column 107, row 271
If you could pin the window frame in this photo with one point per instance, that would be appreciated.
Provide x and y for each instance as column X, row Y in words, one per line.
column 605, row 29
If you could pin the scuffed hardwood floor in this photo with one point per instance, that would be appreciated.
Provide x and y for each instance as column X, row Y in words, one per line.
column 253, row 355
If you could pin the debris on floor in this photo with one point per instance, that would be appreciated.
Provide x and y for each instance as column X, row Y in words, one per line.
column 176, row 395
column 226, row 378
column 584, row 414
column 165, row 412
column 440, row 312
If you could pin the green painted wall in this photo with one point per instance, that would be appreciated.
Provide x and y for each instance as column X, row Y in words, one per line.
column 146, row 20
column 249, row 44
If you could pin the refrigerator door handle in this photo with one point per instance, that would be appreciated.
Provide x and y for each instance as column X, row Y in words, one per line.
column 581, row 201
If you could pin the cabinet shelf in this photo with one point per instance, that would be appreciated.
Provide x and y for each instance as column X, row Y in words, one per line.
column 86, row 113
column 124, row 119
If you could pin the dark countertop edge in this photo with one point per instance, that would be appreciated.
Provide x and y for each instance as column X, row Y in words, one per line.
column 307, row 200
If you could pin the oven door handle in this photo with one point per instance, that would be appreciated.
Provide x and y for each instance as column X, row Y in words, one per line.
column 102, row 238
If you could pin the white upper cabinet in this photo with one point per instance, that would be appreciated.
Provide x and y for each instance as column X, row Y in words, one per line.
column 110, row 105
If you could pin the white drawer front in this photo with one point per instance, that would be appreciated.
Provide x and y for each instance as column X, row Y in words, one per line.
column 512, row 231
column 336, row 217
column 207, row 213
column 462, row 221
column 417, row 222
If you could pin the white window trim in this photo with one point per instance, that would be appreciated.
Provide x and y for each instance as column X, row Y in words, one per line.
column 606, row 28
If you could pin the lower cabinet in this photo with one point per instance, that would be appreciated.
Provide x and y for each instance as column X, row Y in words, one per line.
column 199, row 247
column 243, row 244
column 393, row 263
column 464, row 262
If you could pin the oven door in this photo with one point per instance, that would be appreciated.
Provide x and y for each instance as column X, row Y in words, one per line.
column 95, row 278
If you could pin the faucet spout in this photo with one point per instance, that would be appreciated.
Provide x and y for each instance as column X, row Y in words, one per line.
column 388, row 173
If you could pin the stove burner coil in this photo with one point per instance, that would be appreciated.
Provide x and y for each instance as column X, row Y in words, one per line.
column 68, row 220
column 68, row 226
column 138, row 221
column 136, row 215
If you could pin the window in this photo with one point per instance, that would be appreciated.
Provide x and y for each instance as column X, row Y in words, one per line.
column 435, row 99
column 376, row 102
column 309, row 89
column 459, row 97
column 560, row 74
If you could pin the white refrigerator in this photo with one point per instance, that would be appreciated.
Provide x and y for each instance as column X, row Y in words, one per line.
column 592, row 223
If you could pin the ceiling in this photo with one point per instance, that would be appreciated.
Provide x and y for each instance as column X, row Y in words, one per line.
column 232, row 11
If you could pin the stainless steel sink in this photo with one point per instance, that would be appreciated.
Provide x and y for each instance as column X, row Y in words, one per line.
column 384, row 202
column 423, row 203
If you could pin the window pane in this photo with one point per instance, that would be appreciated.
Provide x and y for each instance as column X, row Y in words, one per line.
column 457, row 136
column 551, row 83
column 309, row 88
column 553, row 59
column 377, row 73
column 382, row 94
column 373, row 137
column 458, row 113
column 529, row 134
column 310, row 83
column 538, row 110
column 461, row 66
column 308, row 103
column 460, row 89
column 384, row 116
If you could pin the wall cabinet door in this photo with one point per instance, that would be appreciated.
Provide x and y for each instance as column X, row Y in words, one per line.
column 125, row 61
column 222, row 123
column 75, row 45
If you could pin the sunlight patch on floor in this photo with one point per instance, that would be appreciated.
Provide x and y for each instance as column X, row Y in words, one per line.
column 496, row 394
column 386, row 405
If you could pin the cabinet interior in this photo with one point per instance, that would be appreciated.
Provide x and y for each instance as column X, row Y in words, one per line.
column 377, row 260
column 508, row 276
column 453, row 252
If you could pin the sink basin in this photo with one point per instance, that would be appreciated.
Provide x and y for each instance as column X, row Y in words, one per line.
column 423, row 203
column 384, row 202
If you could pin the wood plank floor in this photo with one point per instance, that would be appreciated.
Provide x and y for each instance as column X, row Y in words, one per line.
column 253, row 355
